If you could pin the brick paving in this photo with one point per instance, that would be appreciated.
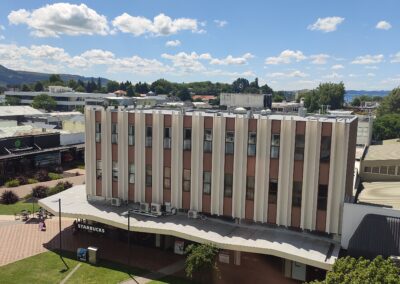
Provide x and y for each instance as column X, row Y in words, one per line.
column 24, row 190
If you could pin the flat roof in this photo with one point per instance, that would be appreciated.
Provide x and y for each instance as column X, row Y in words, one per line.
column 302, row 247
column 385, row 193
column 18, row 111
column 383, row 152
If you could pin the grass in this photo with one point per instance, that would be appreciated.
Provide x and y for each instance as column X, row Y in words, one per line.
column 11, row 209
column 47, row 267
column 55, row 176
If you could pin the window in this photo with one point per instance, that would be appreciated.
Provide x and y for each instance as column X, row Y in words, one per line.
column 167, row 137
column 273, row 191
column 98, row 132
column 167, row 178
column 398, row 170
column 251, row 144
column 115, row 171
column 296, row 196
column 392, row 170
column 375, row 170
column 131, row 173
column 275, row 145
column 384, row 170
column 325, row 148
column 299, row 147
column 250, row 188
column 229, row 142
column 149, row 136
column 187, row 138
column 98, row 169
column 148, row 175
column 114, row 133
column 367, row 169
column 207, row 183
column 207, row 140
column 228, row 181
column 131, row 135
column 186, row 180
column 322, row 197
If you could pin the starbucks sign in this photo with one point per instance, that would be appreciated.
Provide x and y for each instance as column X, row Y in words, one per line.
column 91, row 228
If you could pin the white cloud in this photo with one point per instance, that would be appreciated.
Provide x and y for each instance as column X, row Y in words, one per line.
column 2, row 37
column 230, row 60
column 187, row 62
column 368, row 59
column 161, row 25
column 383, row 25
column 285, row 57
column 337, row 67
column 395, row 58
column 371, row 67
column 291, row 74
column 220, row 23
column 173, row 43
column 328, row 24
column 61, row 18
column 2, row 28
column 319, row 58
column 218, row 72
column 371, row 74
column 332, row 76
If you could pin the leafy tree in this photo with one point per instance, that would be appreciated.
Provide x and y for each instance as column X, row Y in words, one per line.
column 80, row 89
column 387, row 126
column 266, row 89
column 184, row 94
column 25, row 88
column 277, row 98
column 73, row 84
column 390, row 103
column 240, row 85
column 55, row 78
column 161, row 86
column 331, row 94
column 200, row 258
column 356, row 101
column 112, row 86
column 38, row 87
column 311, row 101
column 91, row 86
column 349, row 270
column 45, row 102
column 142, row 88
column 99, row 84
column 130, row 91
column 13, row 101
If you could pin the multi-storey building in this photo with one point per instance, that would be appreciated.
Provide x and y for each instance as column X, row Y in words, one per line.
column 289, row 171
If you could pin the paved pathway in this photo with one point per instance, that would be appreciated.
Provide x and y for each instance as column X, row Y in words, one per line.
column 24, row 190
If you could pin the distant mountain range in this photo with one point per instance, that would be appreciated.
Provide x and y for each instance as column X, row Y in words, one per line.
column 13, row 77
column 368, row 93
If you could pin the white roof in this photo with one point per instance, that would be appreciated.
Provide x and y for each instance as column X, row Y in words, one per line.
column 301, row 247
column 18, row 111
column 385, row 193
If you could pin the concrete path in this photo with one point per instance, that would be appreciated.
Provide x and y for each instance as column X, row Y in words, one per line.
column 24, row 190
column 165, row 271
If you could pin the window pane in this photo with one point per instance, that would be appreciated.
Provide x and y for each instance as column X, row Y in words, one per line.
column 228, row 180
column 375, row 170
column 186, row 185
column 322, row 197
column 167, row 132
column 251, row 150
column 98, row 164
column 229, row 148
column 131, row 140
column 207, row 188
column 296, row 197
column 252, row 138
column 275, row 152
column 367, row 169
column 207, row 177
column 132, row 168
column 186, row 175
column 273, row 192
column 384, row 170
column 167, row 143
column 167, row 172
column 325, row 148
column 207, row 146
column 208, row 134
column 131, row 178
column 131, row 130
column 230, row 136
column 392, row 170
column 275, row 139
column 167, row 183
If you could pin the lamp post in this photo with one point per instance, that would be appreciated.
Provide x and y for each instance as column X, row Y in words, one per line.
column 59, row 223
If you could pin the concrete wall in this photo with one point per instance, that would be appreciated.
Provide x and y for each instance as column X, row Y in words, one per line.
column 242, row 100
column 353, row 215
column 72, row 138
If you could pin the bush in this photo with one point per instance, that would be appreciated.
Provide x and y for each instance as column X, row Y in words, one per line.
column 9, row 197
column 67, row 184
column 200, row 258
column 22, row 180
column 76, row 174
column 54, row 176
column 12, row 183
column 60, row 186
column 40, row 191
column 42, row 175
column 32, row 180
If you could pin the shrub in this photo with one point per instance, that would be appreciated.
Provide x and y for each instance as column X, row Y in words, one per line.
column 60, row 186
column 40, row 191
column 67, row 184
column 76, row 174
column 32, row 180
column 82, row 167
column 42, row 175
column 200, row 258
column 22, row 180
column 54, row 176
column 9, row 197
column 12, row 183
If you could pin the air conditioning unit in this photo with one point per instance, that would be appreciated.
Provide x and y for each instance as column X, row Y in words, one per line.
column 168, row 207
column 155, row 208
column 192, row 214
column 144, row 207
column 116, row 201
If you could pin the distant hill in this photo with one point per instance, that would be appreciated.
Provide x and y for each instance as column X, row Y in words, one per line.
column 368, row 93
column 13, row 77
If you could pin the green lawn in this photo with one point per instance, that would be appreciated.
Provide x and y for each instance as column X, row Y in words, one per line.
column 47, row 267
column 11, row 209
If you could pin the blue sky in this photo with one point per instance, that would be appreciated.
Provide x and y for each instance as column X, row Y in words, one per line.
column 288, row 44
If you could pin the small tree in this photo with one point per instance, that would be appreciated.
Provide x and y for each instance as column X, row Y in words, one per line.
column 200, row 257
column 350, row 270
column 45, row 102
column 40, row 191
column 9, row 197
column 38, row 87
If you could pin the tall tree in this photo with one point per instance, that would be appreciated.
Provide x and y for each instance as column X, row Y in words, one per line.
column 239, row 85
column 142, row 88
column 54, row 78
column 25, row 88
column 266, row 89
column 45, row 102
column 184, row 94
column 390, row 103
column 387, row 126
column 331, row 94
column 98, row 84
column 38, row 87
column 112, row 86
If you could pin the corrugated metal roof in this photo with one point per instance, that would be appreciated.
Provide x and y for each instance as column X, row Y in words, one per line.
column 376, row 235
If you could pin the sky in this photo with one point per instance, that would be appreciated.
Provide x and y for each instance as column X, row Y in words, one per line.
column 288, row 44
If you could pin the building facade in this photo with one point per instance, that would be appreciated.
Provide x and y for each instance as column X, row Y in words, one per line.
column 288, row 171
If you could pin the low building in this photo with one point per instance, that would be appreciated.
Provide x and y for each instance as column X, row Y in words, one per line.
column 287, row 107
column 257, row 101
column 364, row 130
column 66, row 98
column 381, row 193
column 381, row 162
column 266, row 189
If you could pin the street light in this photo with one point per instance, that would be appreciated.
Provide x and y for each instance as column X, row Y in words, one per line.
column 59, row 223
column 129, row 235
